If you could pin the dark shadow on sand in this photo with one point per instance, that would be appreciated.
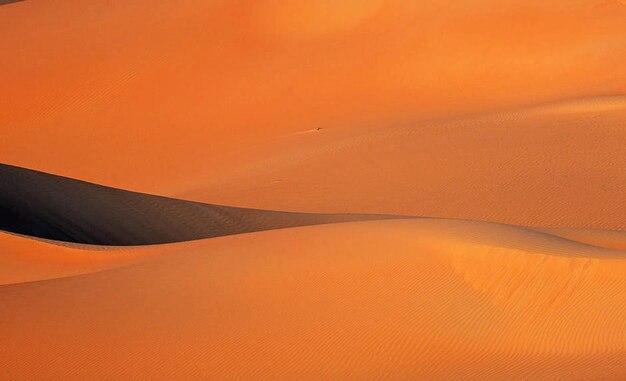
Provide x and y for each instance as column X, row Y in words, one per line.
column 7, row 2
column 47, row 206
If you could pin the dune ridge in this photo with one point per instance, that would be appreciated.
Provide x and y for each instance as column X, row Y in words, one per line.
column 33, row 204
column 59, row 208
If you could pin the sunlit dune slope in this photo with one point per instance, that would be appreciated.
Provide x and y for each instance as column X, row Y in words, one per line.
column 557, row 165
column 23, row 259
column 487, row 110
column 54, row 207
column 403, row 299
column 147, row 95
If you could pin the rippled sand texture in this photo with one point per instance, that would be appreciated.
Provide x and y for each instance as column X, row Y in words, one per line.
column 313, row 190
column 412, row 299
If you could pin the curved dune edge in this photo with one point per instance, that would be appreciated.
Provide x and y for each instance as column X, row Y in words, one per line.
column 24, row 259
column 609, row 239
column 401, row 299
column 29, row 259
column 53, row 207
column 61, row 209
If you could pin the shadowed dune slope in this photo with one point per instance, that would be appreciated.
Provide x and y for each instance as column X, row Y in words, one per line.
column 54, row 207
column 609, row 239
column 5, row 2
column 397, row 300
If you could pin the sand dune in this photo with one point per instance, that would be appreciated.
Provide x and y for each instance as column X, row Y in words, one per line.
column 537, row 166
column 409, row 299
column 54, row 207
column 148, row 96
column 416, row 190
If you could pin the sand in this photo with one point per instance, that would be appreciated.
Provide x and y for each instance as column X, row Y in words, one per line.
column 409, row 299
column 553, row 165
column 53, row 207
column 306, row 190
column 25, row 259
column 149, row 97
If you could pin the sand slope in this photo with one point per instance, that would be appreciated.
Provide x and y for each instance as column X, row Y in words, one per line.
column 59, row 208
column 148, row 96
column 501, row 123
column 412, row 299
column 24, row 259
column 551, row 165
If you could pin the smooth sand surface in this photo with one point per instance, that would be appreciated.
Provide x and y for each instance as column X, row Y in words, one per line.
column 403, row 299
column 23, row 259
column 553, row 165
column 150, row 97
column 500, row 124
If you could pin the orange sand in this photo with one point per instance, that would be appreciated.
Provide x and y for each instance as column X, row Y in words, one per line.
column 413, row 299
column 28, row 260
column 502, row 111
column 559, row 165
column 103, row 92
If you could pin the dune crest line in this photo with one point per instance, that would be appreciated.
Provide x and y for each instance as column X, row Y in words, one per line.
column 44, row 205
